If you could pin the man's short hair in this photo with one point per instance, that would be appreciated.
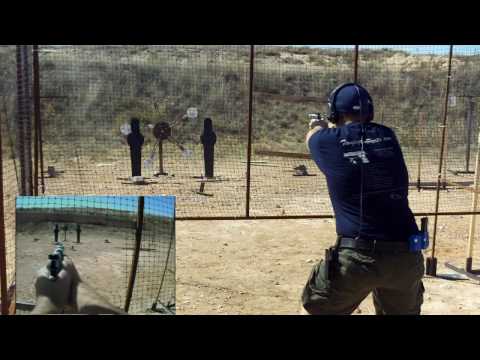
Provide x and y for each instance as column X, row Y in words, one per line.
column 353, row 117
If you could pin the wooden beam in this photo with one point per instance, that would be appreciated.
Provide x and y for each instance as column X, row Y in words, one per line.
column 283, row 154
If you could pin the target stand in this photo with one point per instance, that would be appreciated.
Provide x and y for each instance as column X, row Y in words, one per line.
column 162, row 132
column 203, row 181
column 137, row 181
column 163, row 309
column 53, row 173
column 201, row 191
column 301, row 171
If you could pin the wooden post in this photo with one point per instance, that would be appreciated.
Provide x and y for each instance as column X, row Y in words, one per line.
column 473, row 219
column 445, row 161
column 3, row 247
column 470, row 112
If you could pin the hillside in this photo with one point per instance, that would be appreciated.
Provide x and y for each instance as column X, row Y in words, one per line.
column 106, row 85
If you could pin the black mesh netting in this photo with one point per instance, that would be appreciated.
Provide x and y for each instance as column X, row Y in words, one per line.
column 88, row 95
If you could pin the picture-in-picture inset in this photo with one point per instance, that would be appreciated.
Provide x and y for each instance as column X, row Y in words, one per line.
column 95, row 255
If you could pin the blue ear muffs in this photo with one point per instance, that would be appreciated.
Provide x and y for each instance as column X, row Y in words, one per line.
column 334, row 116
column 351, row 106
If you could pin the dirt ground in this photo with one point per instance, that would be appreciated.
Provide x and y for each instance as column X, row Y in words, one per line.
column 103, row 259
column 260, row 267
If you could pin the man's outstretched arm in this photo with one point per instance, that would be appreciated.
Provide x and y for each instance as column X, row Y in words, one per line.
column 54, row 296
column 69, row 294
column 89, row 302
column 315, row 126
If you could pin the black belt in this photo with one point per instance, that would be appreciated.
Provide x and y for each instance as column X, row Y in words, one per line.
column 373, row 245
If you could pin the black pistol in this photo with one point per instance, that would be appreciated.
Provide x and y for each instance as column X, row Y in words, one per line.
column 55, row 261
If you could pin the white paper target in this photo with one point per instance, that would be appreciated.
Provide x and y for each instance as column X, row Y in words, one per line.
column 187, row 154
column 453, row 101
column 126, row 129
column 148, row 164
column 192, row 113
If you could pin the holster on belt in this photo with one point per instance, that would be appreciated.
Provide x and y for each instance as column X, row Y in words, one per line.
column 331, row 260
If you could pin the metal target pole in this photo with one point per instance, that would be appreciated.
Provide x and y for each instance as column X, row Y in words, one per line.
column 470, row 113
column 431, row 265
column 250, row 128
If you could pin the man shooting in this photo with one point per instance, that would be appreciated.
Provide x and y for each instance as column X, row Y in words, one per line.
column 379, row 246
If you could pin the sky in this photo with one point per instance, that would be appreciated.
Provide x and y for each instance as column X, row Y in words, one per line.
column 154, row 205
column 414, row 49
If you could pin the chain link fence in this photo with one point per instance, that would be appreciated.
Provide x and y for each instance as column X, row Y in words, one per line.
column 87, row 94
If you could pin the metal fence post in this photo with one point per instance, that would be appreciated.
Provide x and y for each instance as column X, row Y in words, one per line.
column 431, row 268
column 20, row 121
column 36, row 104
column 355, row 76
column 250, row 127
column 24, row 126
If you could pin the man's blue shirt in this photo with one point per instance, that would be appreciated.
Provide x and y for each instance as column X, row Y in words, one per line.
column 367, row 180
